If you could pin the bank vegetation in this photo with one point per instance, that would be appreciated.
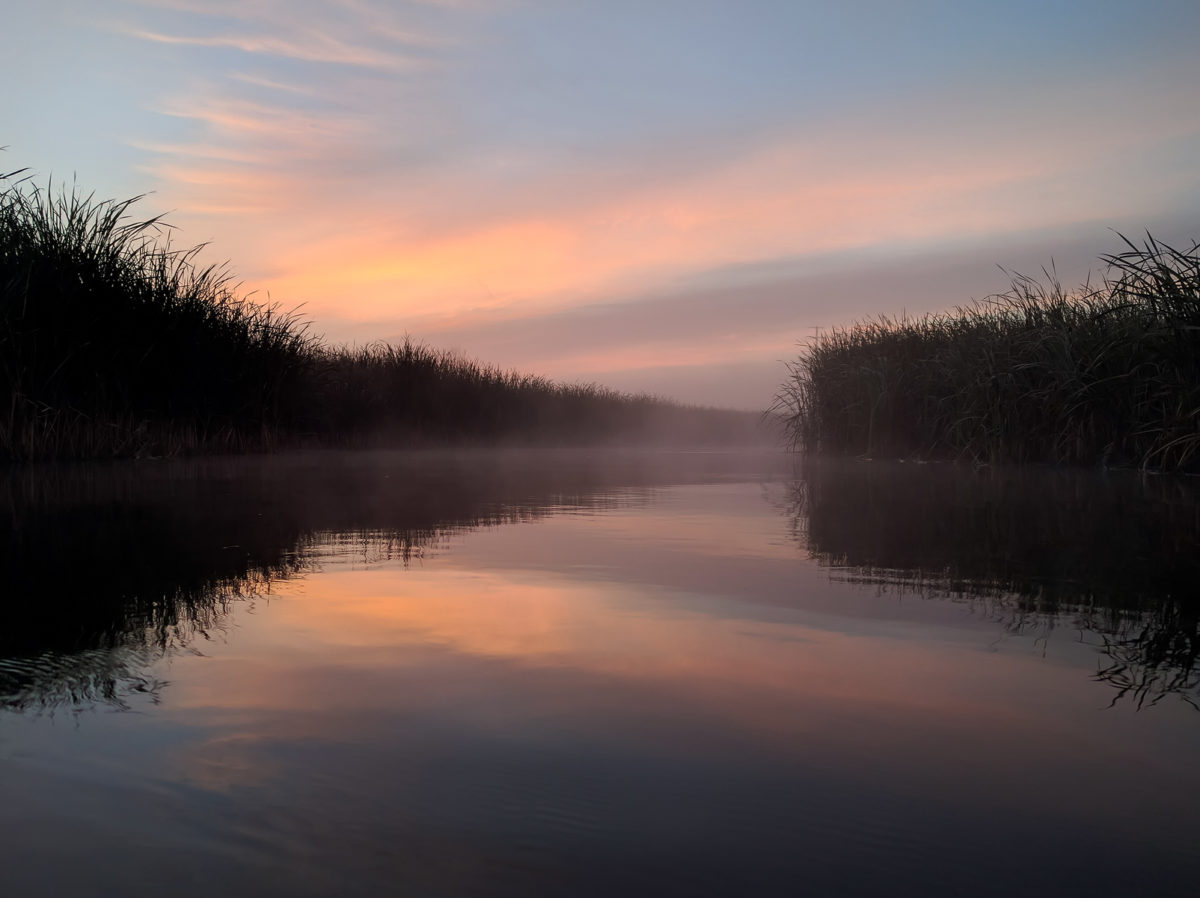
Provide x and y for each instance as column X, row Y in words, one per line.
column 1106, row 375
column 115, row 343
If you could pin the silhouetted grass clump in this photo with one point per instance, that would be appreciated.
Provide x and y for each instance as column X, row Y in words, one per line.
column 1038, row 374
column 113, row 343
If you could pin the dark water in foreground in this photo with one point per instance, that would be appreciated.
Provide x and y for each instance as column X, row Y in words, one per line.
column 598, row 674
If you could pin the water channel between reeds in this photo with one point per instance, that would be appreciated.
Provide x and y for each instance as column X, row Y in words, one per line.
column 578, row 673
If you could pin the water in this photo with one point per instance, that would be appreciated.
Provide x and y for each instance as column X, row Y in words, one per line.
column 584, row 673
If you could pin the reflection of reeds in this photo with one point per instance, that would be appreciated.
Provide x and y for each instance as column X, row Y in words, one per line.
column 110, row 677
column 114, row 344
column 1114, row 555
column 109, row 569
column 1037, row 374
column 1152, row 658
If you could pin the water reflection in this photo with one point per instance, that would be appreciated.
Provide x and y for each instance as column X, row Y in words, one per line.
column 110, row 567
column 1115, row 555
column 565, row 674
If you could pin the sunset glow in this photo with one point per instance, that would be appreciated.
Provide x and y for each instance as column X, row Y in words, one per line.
column 488, row 177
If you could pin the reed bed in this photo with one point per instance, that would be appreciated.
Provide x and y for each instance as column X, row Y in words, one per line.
column 1107, row 375
column 113, row 343
column 397, row 393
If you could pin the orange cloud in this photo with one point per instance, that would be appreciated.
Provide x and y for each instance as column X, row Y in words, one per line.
column 715, row 350
column 773, row 203
column 258, row 121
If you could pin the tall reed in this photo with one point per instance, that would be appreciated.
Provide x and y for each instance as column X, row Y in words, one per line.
column 108, row 335
column 1106, row 375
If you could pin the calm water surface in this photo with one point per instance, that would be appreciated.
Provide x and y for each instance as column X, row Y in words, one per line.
column 584, row 673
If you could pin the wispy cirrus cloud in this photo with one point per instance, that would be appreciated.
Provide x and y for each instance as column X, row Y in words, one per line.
column 248, row 157
column 272, row 84
column 257, row 121
column 314, row 48
column 302, row 96
column 196, row 151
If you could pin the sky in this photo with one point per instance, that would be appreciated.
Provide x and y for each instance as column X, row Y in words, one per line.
column 665, row 196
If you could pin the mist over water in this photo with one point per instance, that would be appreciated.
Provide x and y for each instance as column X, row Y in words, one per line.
column 597, row 672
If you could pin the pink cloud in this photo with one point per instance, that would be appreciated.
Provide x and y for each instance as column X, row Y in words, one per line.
column 317, row 48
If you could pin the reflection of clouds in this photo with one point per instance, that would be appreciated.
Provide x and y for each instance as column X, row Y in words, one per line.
column 361, row 638
column 223, row 763
column 389, row 672
column 527, row 692
column 683, row 523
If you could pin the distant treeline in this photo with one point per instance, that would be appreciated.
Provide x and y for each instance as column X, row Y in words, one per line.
column 113, row 343
column 1107, row 375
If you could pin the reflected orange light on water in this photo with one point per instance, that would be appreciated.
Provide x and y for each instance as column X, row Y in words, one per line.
column 345, row 651
column 388, row 620
column 682, row 629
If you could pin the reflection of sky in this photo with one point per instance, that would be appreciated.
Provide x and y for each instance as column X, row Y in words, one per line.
column 472, row 172
column 586, row 705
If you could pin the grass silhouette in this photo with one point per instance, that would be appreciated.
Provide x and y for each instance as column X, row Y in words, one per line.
column 1106, row 375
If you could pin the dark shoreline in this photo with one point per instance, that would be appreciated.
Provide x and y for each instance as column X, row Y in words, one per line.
column 1106, row 376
